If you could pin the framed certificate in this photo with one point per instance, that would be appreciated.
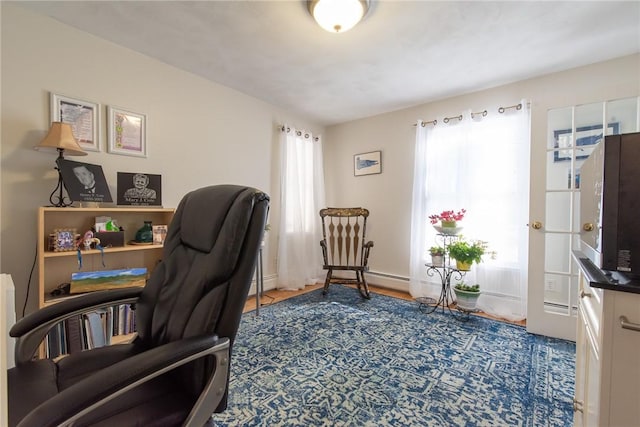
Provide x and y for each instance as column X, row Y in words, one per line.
column 83, row 116
column 126, row 132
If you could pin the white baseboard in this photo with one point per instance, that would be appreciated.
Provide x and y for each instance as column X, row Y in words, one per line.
column 383, row 280
column 270, row 282
column 388, row 281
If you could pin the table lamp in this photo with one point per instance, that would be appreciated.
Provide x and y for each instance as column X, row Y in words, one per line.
column 61, row 139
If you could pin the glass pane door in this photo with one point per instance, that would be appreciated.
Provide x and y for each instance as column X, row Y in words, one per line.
column 572, row 133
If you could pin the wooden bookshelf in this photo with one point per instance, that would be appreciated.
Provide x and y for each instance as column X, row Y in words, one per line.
column 55, row 268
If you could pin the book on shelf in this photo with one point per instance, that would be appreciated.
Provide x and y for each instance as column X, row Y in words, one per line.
column 54, row 343
column 94, row 330
column 90, row 330
column 73, row 330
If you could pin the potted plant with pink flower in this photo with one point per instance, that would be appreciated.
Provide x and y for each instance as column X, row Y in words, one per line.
column 448, row 221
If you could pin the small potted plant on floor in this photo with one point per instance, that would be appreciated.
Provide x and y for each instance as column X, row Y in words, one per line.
column 466, row 296
column 466, row 253
column 437, row 256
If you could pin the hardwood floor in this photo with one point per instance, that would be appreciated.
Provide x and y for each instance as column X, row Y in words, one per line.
column 273, row 296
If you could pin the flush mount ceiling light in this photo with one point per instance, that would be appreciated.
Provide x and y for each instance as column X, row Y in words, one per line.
column 338, row 16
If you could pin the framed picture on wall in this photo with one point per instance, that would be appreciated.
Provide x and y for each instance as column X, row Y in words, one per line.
column 367, row 163
column 83, row 116
column 126, row 132
column 586, row 135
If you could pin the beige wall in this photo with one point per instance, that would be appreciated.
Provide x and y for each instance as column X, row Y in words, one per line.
column 388, row 195
column 198, row 133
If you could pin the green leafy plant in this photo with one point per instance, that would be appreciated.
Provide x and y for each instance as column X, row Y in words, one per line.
column 462, row 286
column 467, row 252
column 436, row 251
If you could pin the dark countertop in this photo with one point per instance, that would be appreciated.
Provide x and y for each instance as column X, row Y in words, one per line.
column 605, row 279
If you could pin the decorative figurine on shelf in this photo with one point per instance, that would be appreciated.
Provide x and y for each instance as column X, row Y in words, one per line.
column 87, row 241
column 84, row 243
column 145, row 234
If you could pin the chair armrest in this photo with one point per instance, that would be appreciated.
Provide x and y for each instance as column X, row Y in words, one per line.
column 365, row 255
column 323, row 245
column 67, row 407
column 31, row 329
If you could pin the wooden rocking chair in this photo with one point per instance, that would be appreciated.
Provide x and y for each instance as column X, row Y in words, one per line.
column 343, row 246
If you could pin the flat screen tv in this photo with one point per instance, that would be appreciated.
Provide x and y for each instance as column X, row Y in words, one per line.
column 610, row 204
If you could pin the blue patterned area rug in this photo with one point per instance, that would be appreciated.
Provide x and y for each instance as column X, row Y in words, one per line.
column 339, row 360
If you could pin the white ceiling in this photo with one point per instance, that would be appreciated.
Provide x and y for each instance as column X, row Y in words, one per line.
column 403, row 53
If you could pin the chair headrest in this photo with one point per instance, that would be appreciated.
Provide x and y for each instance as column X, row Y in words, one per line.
column 205, row 203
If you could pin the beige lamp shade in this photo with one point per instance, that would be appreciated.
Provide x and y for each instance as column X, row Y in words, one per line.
column 61, row 137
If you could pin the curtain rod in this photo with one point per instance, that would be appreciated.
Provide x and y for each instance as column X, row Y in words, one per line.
column 287, row 129
column 447, row 119
column 483, row 113
column 517, row 107
column 423, row 124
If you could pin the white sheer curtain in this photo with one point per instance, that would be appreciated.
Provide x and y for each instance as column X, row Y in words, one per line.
column 480, row 164
column 302, row 183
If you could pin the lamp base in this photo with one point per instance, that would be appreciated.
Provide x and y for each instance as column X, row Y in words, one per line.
column 59, row 200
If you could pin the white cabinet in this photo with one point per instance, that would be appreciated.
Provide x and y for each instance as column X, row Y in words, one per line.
column 607, row 389
column 623, row 365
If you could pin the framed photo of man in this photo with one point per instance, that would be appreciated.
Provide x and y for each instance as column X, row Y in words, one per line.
column 84, row 182
column 139, row 189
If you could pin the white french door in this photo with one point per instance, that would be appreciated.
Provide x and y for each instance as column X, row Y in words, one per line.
column 572, row 133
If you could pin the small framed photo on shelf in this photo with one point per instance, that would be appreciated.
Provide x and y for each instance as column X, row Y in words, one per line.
column 126, row 132
column 83, row 116
column 367, row 163
column 139, row 189
column 63, row 239
column 159, row 234
column 84, row 182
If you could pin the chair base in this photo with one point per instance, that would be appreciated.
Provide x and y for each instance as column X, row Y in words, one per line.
column 360, row 281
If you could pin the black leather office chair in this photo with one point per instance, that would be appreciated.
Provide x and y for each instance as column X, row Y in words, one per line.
column 176, row 371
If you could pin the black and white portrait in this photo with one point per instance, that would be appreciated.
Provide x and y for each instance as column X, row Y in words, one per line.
column 139, row 189
column 84, row 182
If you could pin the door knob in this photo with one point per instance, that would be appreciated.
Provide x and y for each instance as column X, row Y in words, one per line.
column 536, row 225
column 587, row 226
